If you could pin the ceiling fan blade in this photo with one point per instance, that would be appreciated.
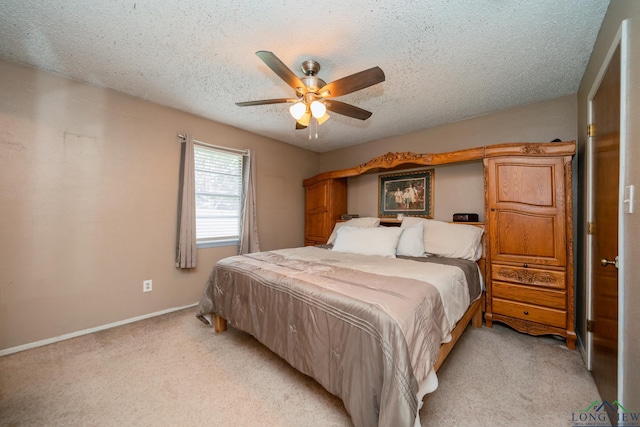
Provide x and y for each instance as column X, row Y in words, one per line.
column 299, row 126
column 347, row 109
column 280, row 69
column 354, row 82
column 266, row 101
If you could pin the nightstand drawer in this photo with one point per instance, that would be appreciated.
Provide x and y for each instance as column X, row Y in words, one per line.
column 528, row 276
column 530, row 295
column 533, row 313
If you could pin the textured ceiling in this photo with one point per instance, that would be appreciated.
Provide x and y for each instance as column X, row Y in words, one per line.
column 444, row 60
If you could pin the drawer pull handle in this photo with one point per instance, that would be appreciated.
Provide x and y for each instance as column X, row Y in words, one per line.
column 526, row 313
column 525, row 265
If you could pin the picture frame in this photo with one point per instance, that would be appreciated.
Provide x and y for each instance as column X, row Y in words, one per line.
column 406, row 194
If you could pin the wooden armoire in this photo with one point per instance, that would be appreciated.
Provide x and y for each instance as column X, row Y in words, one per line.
column 529, row 238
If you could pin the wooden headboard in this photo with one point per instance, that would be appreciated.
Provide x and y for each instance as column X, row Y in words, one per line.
column 321, row 214
column 408, row 160
column 326, row 193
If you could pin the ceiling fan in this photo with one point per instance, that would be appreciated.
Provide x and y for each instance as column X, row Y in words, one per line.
column 313, row 95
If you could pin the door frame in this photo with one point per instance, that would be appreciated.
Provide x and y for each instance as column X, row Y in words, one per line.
column 619, row 40
column 624, row 143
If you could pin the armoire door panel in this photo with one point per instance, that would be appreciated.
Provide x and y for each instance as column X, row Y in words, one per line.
column 531, row 181
column 325, row 202
column 520, row 236
column 526, row 184
column 316, row 226
column 317, row 196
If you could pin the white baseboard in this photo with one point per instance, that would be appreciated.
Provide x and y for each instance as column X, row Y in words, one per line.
column 90, row 330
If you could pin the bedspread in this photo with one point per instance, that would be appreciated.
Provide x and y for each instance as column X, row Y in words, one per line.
column 366, row 335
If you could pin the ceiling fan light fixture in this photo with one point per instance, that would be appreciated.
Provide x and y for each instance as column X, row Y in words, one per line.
column 323, row 119
column 297, row 110
column 305, row 119
column 318, row 109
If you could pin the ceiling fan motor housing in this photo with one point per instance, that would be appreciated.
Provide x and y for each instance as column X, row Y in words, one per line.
column 312, row 83
column 310, row 67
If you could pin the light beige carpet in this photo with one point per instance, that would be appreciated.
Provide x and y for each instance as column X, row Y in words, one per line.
column 174, row 371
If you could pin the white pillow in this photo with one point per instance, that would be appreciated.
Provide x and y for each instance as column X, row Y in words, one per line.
column 381, row 241
column 411, row 241
column 354, row 222
column 449, row 240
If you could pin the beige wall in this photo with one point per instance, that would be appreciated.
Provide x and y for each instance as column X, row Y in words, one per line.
column 539, row 122
column 629, row 287
column 458, row 188
column 88, row 195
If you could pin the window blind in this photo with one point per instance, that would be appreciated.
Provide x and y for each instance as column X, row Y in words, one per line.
column 218, row 176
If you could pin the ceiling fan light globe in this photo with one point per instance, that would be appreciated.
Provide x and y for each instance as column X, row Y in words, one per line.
column 305, row 119
column 323, row 119
column 297, row 110
column 318, row 109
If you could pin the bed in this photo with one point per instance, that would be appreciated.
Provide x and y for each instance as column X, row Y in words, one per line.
column 370, row 321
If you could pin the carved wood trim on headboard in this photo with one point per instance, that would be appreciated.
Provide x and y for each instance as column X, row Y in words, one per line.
column 401, row 160
column 407, row 160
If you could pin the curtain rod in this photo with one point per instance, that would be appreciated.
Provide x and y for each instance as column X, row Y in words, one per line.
column 233, row 150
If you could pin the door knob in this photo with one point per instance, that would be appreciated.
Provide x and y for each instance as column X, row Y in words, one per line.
column 606, row 262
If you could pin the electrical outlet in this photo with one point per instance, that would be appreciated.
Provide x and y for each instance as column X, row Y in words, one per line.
column 147, row 286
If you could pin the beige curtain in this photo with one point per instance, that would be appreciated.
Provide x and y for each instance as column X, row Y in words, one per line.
column 249, row 241
column 186, row 236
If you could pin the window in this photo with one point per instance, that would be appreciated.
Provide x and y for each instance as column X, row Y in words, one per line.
column 218, row 176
